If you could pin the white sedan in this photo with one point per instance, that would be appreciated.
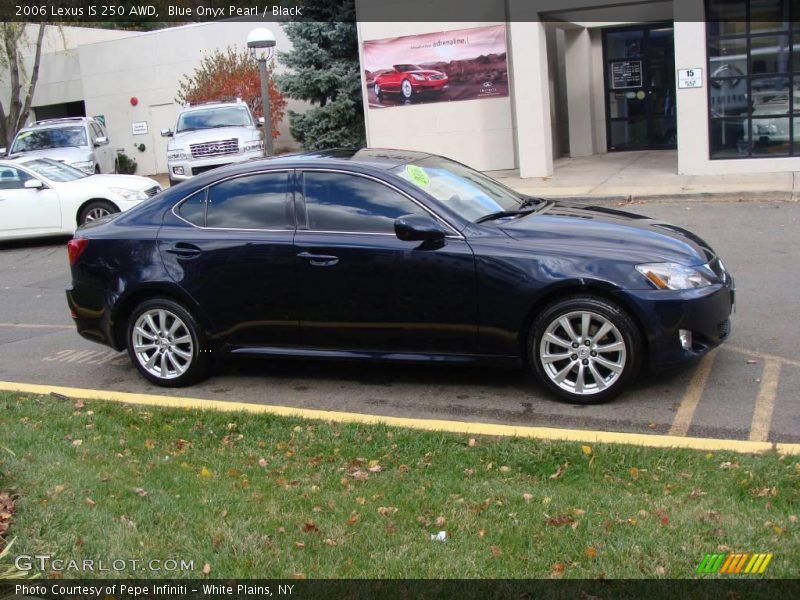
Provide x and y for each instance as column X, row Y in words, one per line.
column 40, row 196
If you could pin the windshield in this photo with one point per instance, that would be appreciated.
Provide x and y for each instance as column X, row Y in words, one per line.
column 405, row 68
column 53, row 137
column 467, row 192
column 54, row 170
column 229, row 116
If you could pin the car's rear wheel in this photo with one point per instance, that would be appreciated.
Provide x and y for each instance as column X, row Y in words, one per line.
column 406, row 89
column 585, row 349
column 166, row 345
column 96, row 210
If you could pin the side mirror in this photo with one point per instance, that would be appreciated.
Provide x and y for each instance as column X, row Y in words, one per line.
column 419, row 228
column 101, row 141
column 260, row 122
column 33, row 184
column 166, row 133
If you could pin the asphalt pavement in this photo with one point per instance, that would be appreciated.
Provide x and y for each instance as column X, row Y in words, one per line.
column 747, row 389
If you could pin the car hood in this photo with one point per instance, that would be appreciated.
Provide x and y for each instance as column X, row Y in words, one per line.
column 127, row 182
column 199, row 136
column 65, row 155
column 611, row 234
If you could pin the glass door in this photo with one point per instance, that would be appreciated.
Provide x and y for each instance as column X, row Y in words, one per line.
column 640, row 87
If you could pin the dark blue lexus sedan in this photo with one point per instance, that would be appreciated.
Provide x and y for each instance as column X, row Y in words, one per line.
column 400, row 256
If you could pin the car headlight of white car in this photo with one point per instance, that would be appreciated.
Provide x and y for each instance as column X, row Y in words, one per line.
column 253, row 145
column 418, row 76
column 177, row 154
column 130, row 195
column 85, row 165
column 672, row 276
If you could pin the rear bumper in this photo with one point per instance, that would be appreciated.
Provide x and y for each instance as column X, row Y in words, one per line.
column 705, row 312
column 89, row 309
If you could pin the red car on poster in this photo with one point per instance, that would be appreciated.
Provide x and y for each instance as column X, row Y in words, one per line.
column 408, row 80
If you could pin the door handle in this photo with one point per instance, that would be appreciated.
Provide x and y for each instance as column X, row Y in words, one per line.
column 319, row 260
column 184, row 250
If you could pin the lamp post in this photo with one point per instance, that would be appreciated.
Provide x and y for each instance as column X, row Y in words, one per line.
column 261, row 42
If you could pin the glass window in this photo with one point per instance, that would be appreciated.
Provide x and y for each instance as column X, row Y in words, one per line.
column 341, row 202
column 624, row 44
column 250, row 202
column 210, row 118
column 12, row 179
column 193, row 209
column 54, row 170
column 51, row 137
column 753, row 93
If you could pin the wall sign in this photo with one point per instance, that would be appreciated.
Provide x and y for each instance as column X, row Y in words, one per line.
column 139, row 127
column 690, row 78
column 626, row 74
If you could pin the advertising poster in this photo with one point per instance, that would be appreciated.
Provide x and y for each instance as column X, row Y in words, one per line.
column 463, row 64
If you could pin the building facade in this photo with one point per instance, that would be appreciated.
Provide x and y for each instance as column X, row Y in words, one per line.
column 712, row 79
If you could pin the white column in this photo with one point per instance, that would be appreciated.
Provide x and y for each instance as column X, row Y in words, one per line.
column 531, row 98
column 578, row 59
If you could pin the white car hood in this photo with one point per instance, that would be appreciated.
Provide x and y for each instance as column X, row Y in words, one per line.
column 128, row 182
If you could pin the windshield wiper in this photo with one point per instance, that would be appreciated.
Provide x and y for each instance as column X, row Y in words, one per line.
column 528, row 206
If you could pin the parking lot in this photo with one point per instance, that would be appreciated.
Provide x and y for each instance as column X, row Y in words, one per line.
column 747, row 389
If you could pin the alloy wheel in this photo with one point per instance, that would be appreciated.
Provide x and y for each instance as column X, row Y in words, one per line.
column 98, row 212
column 162, row 343
column 406, row 88
column 583, row 352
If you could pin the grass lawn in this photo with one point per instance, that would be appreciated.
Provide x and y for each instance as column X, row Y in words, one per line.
column 245, row 495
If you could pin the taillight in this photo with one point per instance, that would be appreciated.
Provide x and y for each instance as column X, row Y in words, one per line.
column 75, row 248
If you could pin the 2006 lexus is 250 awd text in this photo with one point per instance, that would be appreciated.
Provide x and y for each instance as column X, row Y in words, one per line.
column 393, row 255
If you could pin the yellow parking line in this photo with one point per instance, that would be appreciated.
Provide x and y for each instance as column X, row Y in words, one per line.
column 765, row 401
column 683, row 418
column 762, row 355
column 544, row 433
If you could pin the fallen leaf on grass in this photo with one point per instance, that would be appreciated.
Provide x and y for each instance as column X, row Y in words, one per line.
column 140, row 492
column 385, row 511
column 527, row 497
column 79, row 404
column 634, row 473
column 204, row 472
column 206, row 569
column 310, row 527
column 353, row 519
column 300, row 544
column 496, row 551
column 149, row 444
column 559, row 520
column 587, row 450
column 126, row 521
column 505, row 469
column 696, row 493
column 590, row 552
column 558, row 569
column 90, row 502
column 440, row 521
column 660, row 571
column 469, row 472
column 262, row 462
column 77, row 443
column 471, row 442
column 559, row 471
column 329, row 542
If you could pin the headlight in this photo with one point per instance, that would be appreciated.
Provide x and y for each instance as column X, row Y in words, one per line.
column 254, row 145
column 130, row 195
column 672, row 276
column 85, row 165
column 177, row 155
column 418, row 77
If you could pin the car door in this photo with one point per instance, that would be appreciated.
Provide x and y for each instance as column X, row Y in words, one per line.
column 106, row 152
column 25, row 210
column 229, row 246
column 362, row 288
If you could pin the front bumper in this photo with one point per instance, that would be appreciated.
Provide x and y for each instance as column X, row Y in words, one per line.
column 704, row 311
column 186, row 168
column 429, row 86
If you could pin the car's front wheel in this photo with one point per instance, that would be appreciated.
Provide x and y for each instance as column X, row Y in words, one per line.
column 406, row 89
column 96, row 209
column 378, row 90
column 166, row 345
column 585, row 349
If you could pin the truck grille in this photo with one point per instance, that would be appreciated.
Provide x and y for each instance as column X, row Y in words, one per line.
column 214, row 148
column 153, row 190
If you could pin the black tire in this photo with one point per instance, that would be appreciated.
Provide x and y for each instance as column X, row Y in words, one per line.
column 173, row 182
column 97, row 169
column 625, row 363
column 200, row 362
column 95, row 210
column 378, row 90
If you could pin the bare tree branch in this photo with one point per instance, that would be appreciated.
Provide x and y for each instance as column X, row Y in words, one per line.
column 26, row 108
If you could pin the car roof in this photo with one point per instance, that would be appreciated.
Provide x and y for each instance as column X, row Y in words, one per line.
column 381, row 158
column 207, row 105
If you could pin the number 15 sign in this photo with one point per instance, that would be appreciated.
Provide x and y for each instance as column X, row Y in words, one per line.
column 690, row 78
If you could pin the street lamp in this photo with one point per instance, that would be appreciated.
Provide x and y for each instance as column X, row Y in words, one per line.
column 261, row 42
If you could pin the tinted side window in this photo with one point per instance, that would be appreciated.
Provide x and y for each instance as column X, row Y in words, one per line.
column 340, row 202
column 193, row 209
column 250, row 202
column 98, row 132
column 12, row 179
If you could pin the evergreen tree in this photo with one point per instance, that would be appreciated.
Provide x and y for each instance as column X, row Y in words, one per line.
column 324, row 70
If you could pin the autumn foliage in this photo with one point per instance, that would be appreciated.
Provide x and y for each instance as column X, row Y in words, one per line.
column 229, row 74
